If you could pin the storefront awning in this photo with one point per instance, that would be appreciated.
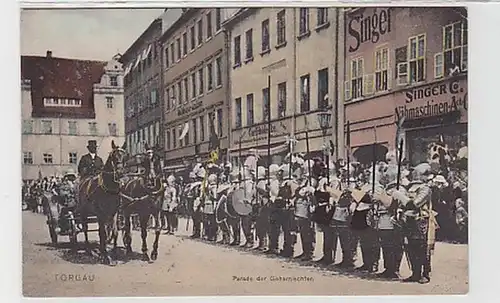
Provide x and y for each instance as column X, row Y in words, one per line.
column 261, row 152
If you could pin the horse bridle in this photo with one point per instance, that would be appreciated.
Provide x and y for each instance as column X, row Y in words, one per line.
column 113, row 172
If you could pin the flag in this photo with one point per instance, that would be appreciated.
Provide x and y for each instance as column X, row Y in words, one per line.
column 214, row 142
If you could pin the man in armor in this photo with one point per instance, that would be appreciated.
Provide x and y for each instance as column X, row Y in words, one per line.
column 210, row 198
column 416, row 216
column 248, row 186
column 169, row 206
column 90, row 164
column 303, row 206
column 262, row 222
column 195, row 193
column 233, row 220
column 221, row 208
column 274, row 191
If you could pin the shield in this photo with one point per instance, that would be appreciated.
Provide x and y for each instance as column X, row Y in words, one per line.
column 241, row 205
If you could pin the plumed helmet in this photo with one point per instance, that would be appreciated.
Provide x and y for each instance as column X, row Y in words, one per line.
column 273, row 170
column 391, row 157
column 228, row 166
column 200, row 173
column 212, row 179
column 321, row 183
column 171, row 179
column 261, row 172
column 421, row 171
column 298, row 159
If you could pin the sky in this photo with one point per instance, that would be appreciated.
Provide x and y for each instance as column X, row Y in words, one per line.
column 93, row 34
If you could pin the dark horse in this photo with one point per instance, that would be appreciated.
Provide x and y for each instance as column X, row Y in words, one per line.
column 99, row 196
column 142, row 194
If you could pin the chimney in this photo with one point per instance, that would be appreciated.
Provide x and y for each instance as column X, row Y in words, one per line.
column 49, row 54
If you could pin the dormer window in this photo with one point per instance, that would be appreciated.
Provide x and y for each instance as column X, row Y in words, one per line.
column 61, row 102
column 113, row 80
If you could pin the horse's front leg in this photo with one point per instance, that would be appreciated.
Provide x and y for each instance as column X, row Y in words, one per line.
column 85, row 227
column 144, row 218
column 127, row 234
column 105, row 258
column 154, row 253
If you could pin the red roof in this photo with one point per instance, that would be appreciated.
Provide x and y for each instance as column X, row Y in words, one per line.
column 62, row 78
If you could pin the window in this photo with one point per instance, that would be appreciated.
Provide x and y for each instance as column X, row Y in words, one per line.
column 109, row 102
column 238, row 119
column 154, row 93
column 201, row 81
column 168, row 139
column 179, row 90
column 73, row 158
column 72, row 128
column 186, row 138
column 178, row 41
column 209, row 25
column 219, row 122
column 202, row 128
column 27, row 158
column 210, row 72
column 200, row 32
column 280, row 28
column 305, row 101
column 265, row 103
column 401, row 65
column 112, row 129
column 249, row 44
column 186, row 89
column 113, row 80
column 237, row 50
column 416, row 58
column 265, row 35
column 46, row 127
column 193, row 38
column 218, row 19
column 304, row 21
column 218, row 71
column 28, row 126
column 174, row 138
column 322, row 16
column 47, row 158
column 323, row 88
column 167, row 59
column 438, row 65
column 381, row 69
column 455, row 47
column 172, row 52
column 193, row 85
column 195, row 135
column 282, row 99
column 250, row 113
column 357, row 69
column 93, row 128
column 184, row 44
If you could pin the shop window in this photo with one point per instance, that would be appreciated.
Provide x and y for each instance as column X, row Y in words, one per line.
column 416, row 58
column 455, row 47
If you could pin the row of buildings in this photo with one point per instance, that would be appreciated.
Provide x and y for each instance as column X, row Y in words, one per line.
column 368, row 66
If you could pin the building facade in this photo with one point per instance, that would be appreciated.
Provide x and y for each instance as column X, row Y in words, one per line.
column 65, row 103
column 194, row 84
column 143, row 99
column 405, row 62
column 296, row 49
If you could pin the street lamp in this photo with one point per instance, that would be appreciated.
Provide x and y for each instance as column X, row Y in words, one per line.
column 324, row 119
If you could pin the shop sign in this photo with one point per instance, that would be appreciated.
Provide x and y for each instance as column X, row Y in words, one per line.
column 434, row 100
column 187, row 108
column 369, row 28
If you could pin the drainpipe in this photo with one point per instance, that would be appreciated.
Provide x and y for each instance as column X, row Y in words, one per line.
column 161, row 133
column 337, row 95
column 227, row 86
column 294, row 39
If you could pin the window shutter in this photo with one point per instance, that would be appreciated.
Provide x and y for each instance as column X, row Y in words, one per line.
column 369, row 84
column 347, row 91
column 438, row 65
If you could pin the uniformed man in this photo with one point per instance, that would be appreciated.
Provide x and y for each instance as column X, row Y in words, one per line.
column 210, row 198
column 152, row 166
column 90, row 164
column 233, row 219
column 417, row 218
column 169, row 206
column 274, row 229
column 221, row 215
column 195, row 192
